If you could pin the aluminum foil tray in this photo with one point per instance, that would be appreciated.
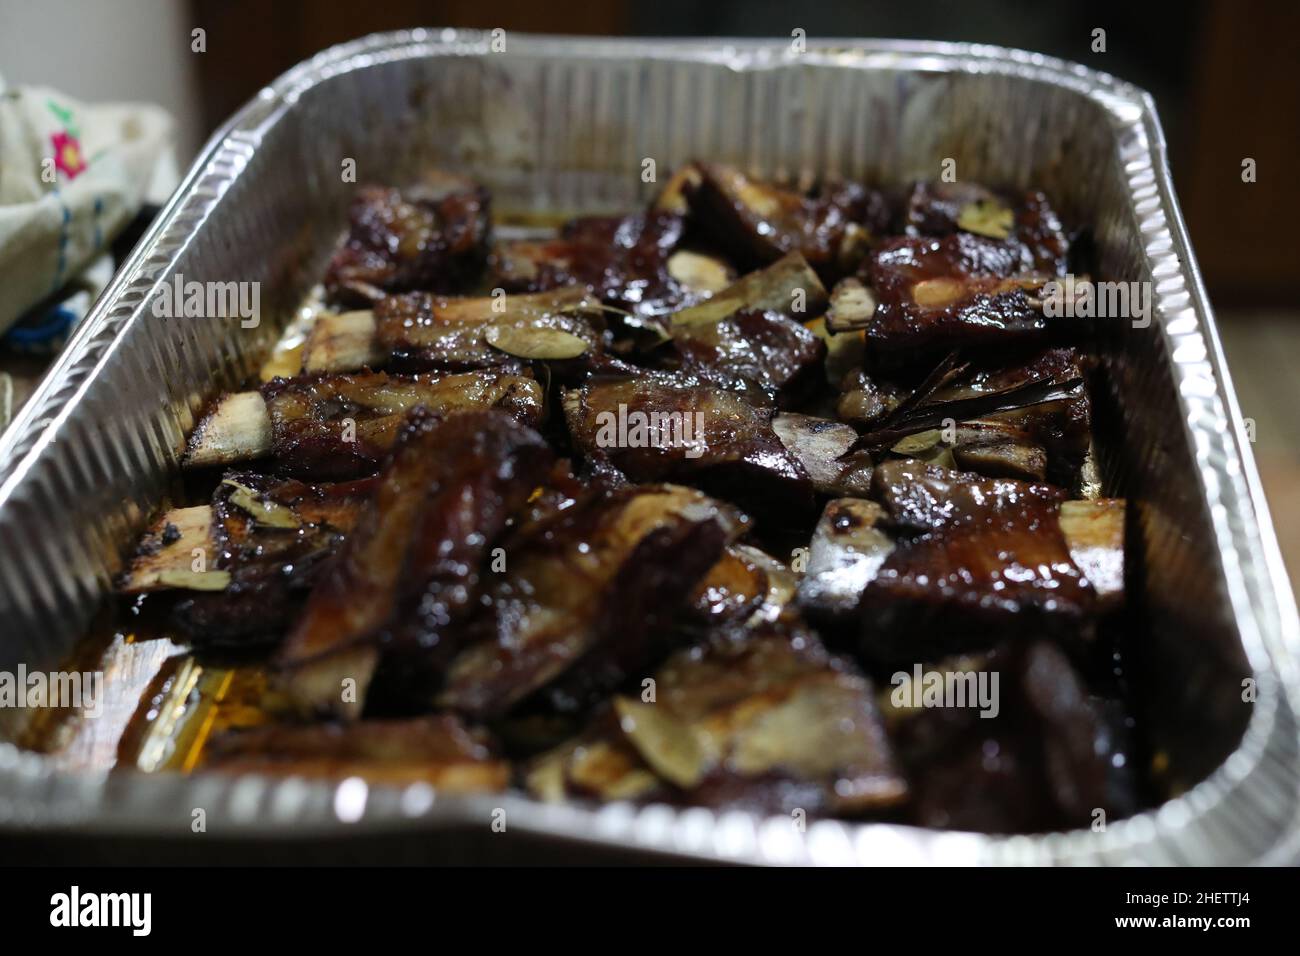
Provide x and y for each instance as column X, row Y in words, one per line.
column 558, row 124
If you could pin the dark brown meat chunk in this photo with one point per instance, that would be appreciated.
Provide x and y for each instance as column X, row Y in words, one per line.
column 961, row 290
column 341, row 425
column 1047, row 756
column 424, row 333
column 622, row 260
column 921, row 497
column 432, row 238
column 1029, row 224
column 763, row 720
column 274, row 537
column 662, row 427
column 760, row 222
column 993, row 562
column 410, row 570
column 751, row 351
column 587, row 597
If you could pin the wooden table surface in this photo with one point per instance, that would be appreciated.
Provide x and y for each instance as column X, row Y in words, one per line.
column 1262, row 349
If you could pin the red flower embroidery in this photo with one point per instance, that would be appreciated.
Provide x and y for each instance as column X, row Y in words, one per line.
column 67, row 155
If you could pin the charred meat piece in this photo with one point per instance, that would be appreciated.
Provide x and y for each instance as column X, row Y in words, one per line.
column 339, row 426
column 271, row 538
column 587, row 597
column 422, row 333
column 659, row 427
column 993, row 562
column 761, row 719
column 432, row 238
column 409, row 572
column 754, row 351
column 1046, row 757
column 759, row 222
column 749, row 337
column 1026, row 223
column 624, row 261
column 959, row 589
column 958, row 291
column 437, row 750
column 920, row 497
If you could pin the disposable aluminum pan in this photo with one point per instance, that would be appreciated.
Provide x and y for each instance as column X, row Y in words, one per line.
column 556, row 124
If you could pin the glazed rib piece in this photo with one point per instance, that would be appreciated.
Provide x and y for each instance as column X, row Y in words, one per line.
column 272, row 538
column 958, row 589
column 749, row 337
column 309, row 418
column 438, row 750
column 1025, row 223
column 757, row 223
column 919, row 497
column 968, row 271
column 853, row 539
column 763, row 720
column 340, row 426
column 410, row 570
column 587, row 597
column 659, row 427
column 987, row 559
column 959, row 290
column 627, row 262
column 754, row 352
column 433, row 237
column 419, row 332
column 424, row 333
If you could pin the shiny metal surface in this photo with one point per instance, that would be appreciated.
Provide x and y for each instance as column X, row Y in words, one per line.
column 564, row 124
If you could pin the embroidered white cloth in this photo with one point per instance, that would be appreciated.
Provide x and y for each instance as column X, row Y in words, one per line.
column 72, row 175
